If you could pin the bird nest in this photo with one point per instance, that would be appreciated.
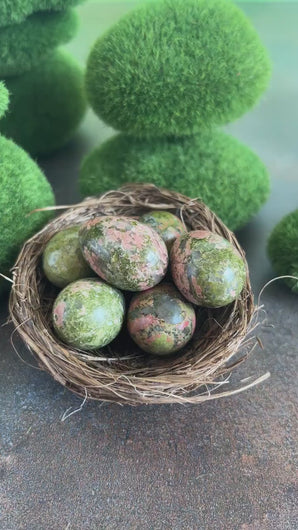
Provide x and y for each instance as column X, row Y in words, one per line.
column 121, row 372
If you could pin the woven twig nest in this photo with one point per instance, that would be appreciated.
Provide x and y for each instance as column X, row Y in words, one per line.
column 120, row 372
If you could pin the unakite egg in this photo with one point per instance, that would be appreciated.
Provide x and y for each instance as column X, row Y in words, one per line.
column 124, row 252
column 62, row 260
column 207, row 269
column 165, row 223
column 88, row 314
column 160, row 320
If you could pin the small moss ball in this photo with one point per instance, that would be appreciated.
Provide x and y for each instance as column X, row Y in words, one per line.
column 16, row 11
column 62, row 259
column 207, row 269
column 4, row 99
column 88, row 314
column 166, row 224
column 160, row 321
column 283, row 249
column 212, row 166
column 23, row 188
column 46, row 105
column 124, row 252
column 27, row 44
column 175, row 67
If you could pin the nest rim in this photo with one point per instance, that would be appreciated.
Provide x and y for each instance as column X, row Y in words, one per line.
column 132, row 377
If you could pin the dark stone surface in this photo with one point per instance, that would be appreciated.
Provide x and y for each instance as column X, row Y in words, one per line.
column 228, row 464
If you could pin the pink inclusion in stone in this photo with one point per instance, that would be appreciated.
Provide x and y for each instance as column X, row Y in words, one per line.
column 59, row 314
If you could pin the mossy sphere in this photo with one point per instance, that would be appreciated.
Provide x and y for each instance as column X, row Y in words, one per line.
column 124, row 252
column 47, row 104
column 27, row 44
column 175, row 67
column 207, row 269
column 23, row 188
column 63, row 260
column 213, row 166
column 4, row 99
column 160, row 321
column 283, row 249
column 16, row 11
column 88, row 314
column 166, row 224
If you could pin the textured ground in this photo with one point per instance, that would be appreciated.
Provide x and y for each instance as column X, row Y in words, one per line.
column 229, row 464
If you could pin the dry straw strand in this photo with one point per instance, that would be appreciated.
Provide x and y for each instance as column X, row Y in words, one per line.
column 120, row 372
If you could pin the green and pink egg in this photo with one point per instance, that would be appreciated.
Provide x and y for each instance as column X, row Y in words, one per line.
column 160, row 320
column 88, row 314
column 166, row 224
column 124, row 252
column 207, row 269
column 62, row 259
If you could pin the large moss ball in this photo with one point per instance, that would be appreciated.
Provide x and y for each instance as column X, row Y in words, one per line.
column 23, row 188
column 160, row 320
column 124, row 252
column 283, row 249
column 207, row 269
column 46, row 105
column 4, row 99
column 62, row 259
column 88, row 314
column 213, row 166
column 27, row 44
column 16, row 11
column 175, row 67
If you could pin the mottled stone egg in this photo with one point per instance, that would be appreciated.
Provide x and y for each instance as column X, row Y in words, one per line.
column 88, row 314
column 160, row 321
column 168, row 226
column 124, row 252
column 62, row 260
column 207, row 269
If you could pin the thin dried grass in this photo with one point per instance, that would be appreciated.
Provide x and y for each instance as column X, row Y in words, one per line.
column 120, row 372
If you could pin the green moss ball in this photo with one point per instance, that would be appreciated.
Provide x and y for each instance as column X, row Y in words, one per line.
column 25, row 45
column 4, row 99
column 88, row 314
column 174, row 67
column 283, row 249
column 15, row 11
column 23, row 188
column 46, row 105
column 62, row 258
column 215, row 167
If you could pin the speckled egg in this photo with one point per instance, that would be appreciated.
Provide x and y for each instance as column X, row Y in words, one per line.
column 124, row 252
column 168, row 226
column 62, row 260
column 88, row 314
column 207, row 269
column 160, row 321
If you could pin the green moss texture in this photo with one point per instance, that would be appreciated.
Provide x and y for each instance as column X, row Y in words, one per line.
column 46, row 106
column 283, row 249
column 174, row 67
column 23, row 188
column 215, row 167
column 16, row 11
column 25, row 45
column 4, row 99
